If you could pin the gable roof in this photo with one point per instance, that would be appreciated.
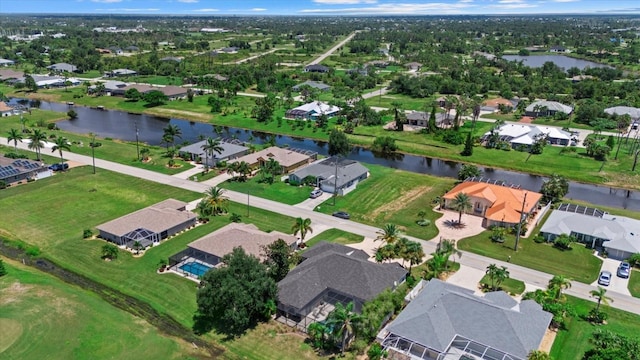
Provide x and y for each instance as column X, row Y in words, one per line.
column 6, row 62
column 317, row 107
column 285, row 157
column 633, row 112
column 63, row 67
column 524, row 134
column 6, row 74
column 333, row 269
column 506, row 202
column 4, row 107
column 443, row 311
column 142, row 88
column 157, row 218
column 229, row 149
column 550, row 105
column 323, row 246
column 316, row 67
column 325, row 169
column 314, row 84
column 247, row 236
column 171, row 90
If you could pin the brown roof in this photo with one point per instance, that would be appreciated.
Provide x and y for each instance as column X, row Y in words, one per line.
column 285, row 157
column 173, row 90
column 140, row 87
column 497, row 101
column 157, row 218
column 506, row 202
column 247, row 236
column 4, row 107
column 6, row 74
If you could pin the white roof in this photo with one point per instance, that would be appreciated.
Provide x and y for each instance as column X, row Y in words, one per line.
column 555, row 133
column 551, row 105
column 524, row 134
column 318, row 107
column 624, row 110
column 523, row 140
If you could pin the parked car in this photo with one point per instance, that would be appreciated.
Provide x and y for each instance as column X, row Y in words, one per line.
column 604, row 278
column 624, row 269
column 341, row 215
column 315, row 193
column 58, row 167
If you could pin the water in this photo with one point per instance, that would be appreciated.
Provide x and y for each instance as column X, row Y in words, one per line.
column 562, row 61
column 122, row 125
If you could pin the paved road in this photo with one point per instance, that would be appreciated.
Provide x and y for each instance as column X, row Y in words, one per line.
column 257, row 56
column 529, row 276
column 333, row 49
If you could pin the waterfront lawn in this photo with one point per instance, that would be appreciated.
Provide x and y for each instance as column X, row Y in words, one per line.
column 278, row 191
column 335, row 236
column 634, row 283
column 42, row 317
column 572, row 343
column 510, row 286
column 393, row 196
column 578, row 264
column 408, row 102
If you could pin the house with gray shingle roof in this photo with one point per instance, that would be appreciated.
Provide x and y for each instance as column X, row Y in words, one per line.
column 230, row 151
column 633, row 112
column 444, row 319
column 6, row 62
column 313, row 84
column 329, row 275
column 349, row 174
column 62, row 67
column 546, row 108
column 150, row 225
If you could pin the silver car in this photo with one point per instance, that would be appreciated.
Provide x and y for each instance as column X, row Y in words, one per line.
column 624, row 269
column 604, row 278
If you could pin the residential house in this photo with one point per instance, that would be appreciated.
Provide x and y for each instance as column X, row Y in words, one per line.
column 524, row 136
column 413, row 66
column 349, row 173
column 330, row 274
column 313, row 84
column 44, row 81
column 217, row 77
column 230, row 151
column 288, row 159
column 316, row 68
column 421, row 118
column 211, row 248
column 120, row 72
column 62, row 67
column 16, row 170
column 488, row 56
column 445, row 321
column 111, row 87
column 150, row 225
column 443, row 100
column 312, row 110
column 142, row 89
column 6, row 62
column 547, row 108
column 558, row 49
column 132, row 49
column 230, row 50
column 499, row 205
column 9, row 74
column 633, row 112
column 171, row 58
column 578, row 78
column 174, row 92
column 377, row 63
column 493, row 105
column 619, row 236
column 6, row 110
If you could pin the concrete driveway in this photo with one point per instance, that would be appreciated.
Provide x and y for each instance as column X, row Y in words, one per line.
column 311, row 204
column 617, row 284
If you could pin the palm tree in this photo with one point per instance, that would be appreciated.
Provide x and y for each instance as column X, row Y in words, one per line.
column 209, row 147
column 144, row 152
column 436, row 266
column 497, row 275
column 538, row 355
column 318, row 332
column 243, row 169
column 448, row 248
column 461, row 204
column 600, row 294
column 172, row 132
column 61, row 143
column 411, row 251
column 302, row 226
column 137, row 246
column 557, row 284
column 389, row 233
column 341, row 321
column 37, row 138
column 15, row 136
column 215, row 197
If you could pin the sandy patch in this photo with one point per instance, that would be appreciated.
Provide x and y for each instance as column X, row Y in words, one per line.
column 11, row 331
column 13, row 292
column 180, row 113
column 399, row 203
column 547, row 340
column 73, row 164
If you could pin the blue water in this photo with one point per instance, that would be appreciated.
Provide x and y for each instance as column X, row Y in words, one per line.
column 195, row 268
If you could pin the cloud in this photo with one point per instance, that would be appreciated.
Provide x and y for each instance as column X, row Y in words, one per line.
column 399, row 8
column 565, row 1
column 345, row 2
column 136, row 10
column 258, row 9
column 188, row 1
column 106, row 1
column 510, row 1
column 206, row 10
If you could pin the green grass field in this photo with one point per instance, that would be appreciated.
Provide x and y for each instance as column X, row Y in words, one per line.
column 634, row 283
column 393, row 196
column 278, row 191
column 335, row 236
column 511, row 286
column 571, row 344
column 42, row 317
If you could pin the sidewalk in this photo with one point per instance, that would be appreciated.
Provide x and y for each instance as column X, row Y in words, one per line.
column 188, row 174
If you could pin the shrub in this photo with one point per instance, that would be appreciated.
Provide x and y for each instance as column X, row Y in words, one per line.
column 634, row 260
column 3, row 271
column 87, row 233
column 453, row 137
column 236, row 217
column 12, row 155
column 538, row 239
column 423, row 222
column 597, row 317
column 563, row 242
column 32, row 251
column 3, row 185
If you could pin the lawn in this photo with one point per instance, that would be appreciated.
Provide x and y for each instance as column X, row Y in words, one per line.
column 278, row 191
column 393, row 196
column 634, row 283
column 42, row 317
column 510, row 286
column 97, row 199
column 578, row 264
column 335, row 236
column 571, row 344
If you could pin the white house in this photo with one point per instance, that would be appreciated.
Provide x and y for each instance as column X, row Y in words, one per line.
column 525, row 135
column 547, row 108
column 312, row 111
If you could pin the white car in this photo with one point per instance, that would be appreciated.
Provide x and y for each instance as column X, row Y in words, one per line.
column 315, row 193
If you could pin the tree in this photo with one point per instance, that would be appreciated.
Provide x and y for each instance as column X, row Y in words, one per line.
column 554, row 189
column 436, row 266
column 468, row 146
column 557, row 284
column 461, row 203
column 611, row 142
column 3, row 270
column 398, row 115
column 209, row 147
column 468, row 171
column 265, row 106
column 389, row 233
column 109, row 251
column 384, row 145
column 154, row 98
column 132, row 94
column 318, row 331
column 302, row 226
column 72, row 114
column 447, row 248
column 385, row 252
column 235, row 296
column 30, row 83
column 137, row 246
column 600, row 294
column 15, row 136
column 338, row 143
column 61, row 143
column 538, row 355
column 341, row 321
column 612, row 346
column 144, row 153
column 37, row 138
column 432, row 126
column 219, row 203
column 171, row 132
column 497, row 275
column 278, row 255
column 410, row 251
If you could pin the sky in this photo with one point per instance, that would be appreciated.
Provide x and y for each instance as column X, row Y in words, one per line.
column 321, row 7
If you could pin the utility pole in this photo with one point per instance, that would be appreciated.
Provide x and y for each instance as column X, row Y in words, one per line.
column 248, row 207
column 93, row 150
column 520, row 222
column 137, row 142
column 335, row 183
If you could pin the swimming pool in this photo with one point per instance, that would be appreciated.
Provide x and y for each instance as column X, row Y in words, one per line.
column 195, row 268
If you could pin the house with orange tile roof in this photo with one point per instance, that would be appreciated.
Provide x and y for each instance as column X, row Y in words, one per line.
column 499, row 205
